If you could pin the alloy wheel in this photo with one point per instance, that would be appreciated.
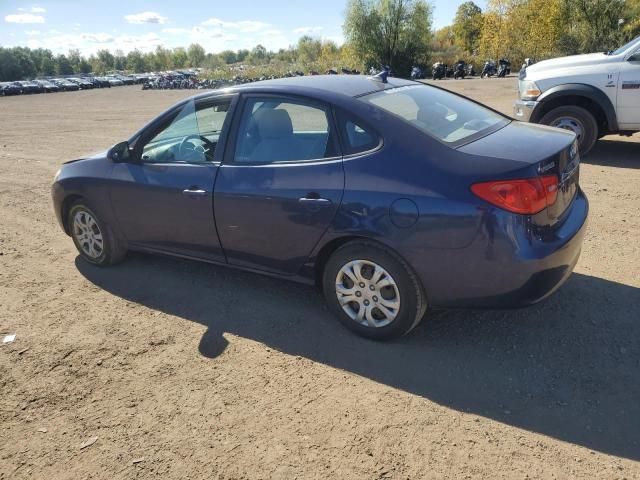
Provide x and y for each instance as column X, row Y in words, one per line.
column 87, row 234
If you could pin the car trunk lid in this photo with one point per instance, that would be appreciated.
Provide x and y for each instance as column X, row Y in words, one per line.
column 532, row 151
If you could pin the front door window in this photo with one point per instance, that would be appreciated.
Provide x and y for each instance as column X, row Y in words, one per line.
column 190, row 136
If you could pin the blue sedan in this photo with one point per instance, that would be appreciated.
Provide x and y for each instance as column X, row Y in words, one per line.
column 394, row 197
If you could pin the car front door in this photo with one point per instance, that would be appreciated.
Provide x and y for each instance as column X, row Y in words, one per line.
column 280, row 185
column 629, row 94
column 164, row 200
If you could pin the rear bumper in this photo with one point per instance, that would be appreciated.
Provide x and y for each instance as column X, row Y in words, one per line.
column 509, row 265
column 523, row 110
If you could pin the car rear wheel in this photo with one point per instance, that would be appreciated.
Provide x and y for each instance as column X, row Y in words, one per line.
column 372, row 291
column 575, row 119
column 94, row 240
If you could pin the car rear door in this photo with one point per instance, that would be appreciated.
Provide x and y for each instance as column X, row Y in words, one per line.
column 164, row 201
column 281, row 182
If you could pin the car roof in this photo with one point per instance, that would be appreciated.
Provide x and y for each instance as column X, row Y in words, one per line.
column 350, row 85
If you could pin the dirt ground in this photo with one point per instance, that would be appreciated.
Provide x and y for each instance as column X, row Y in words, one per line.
column 183, row 370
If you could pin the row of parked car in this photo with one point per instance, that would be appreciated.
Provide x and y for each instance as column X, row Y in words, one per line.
column 69, row 84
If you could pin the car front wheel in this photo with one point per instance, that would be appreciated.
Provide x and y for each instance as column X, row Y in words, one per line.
column 372, row 291
column 94, row 240
column 577, row 120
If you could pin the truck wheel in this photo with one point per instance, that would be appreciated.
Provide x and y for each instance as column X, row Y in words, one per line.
column 576, row 119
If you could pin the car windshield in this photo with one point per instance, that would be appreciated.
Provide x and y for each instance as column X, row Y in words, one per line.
column 441, row 114
column 624, row 48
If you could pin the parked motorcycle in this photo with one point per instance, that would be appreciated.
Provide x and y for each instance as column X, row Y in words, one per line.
column 471, row 71
column 489, row 69
column 504, row 69
column 417, row 73
column 460, row 69
column 439, row 71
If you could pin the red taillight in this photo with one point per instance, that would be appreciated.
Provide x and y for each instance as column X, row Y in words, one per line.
column 526, row 196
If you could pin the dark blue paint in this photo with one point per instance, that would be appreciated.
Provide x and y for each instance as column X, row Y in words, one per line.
column 154, row 208
column 411, row 194
column 261, row 219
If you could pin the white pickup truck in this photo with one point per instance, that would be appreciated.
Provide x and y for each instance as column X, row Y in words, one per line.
column 593, row 95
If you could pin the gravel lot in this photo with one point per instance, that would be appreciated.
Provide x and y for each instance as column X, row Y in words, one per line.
column 183, row 370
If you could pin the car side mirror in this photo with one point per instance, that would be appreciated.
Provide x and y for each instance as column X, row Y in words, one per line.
column 119, row 153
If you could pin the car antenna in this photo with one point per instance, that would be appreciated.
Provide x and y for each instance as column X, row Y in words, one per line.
column 382, row 76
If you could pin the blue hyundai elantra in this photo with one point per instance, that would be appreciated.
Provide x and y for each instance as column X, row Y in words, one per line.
column 394, row 197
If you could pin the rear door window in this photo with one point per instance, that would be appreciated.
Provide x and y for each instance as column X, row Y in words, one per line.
column 283, row 130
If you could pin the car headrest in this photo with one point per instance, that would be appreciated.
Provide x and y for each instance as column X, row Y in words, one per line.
column 273, row 123
column 433, row 111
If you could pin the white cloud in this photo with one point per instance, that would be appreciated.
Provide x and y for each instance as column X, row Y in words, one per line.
column 146, row 17
column 90, row 43
column 38, row 10
column 306, row 30
column 244, row 26
column 24, row 18
column 97, row 37
column 33, row 33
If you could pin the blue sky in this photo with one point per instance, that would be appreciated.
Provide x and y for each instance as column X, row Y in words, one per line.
column 91, row 25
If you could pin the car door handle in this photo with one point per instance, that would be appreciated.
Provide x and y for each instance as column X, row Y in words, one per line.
column 315, row 202
column 194, row 192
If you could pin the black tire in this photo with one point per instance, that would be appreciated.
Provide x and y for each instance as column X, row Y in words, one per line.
column 583, row 118
column 111, row 252
column 413, row 302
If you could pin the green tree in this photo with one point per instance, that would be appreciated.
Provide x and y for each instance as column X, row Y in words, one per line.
column 631, row 26
column 74, row 59
column 85, row 66
column 596, row 26
column 309, row 50
column 242, row 55
column 196, row 55
column 330, row 57
column 467, row 27
column 104, row 61
column 229, row 57
column 162, row 59
column 135, row 61
column 48, row 66
column 63, row 65
column 179, row 58
column 258, row 55
column 119, row 60
column 392, row 32
column 444, row 46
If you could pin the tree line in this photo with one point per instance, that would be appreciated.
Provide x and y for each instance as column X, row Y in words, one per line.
column 398, row 33
column 538, row 29
column 20, row 63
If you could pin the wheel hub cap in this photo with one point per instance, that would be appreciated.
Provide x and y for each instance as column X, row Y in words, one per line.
column 87, row 234
column 571, row 124
column 368, row 293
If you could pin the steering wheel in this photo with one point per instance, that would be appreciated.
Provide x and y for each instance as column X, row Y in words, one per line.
column 187, row 148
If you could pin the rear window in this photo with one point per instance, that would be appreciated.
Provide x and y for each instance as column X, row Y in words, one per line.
column 443, row 115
